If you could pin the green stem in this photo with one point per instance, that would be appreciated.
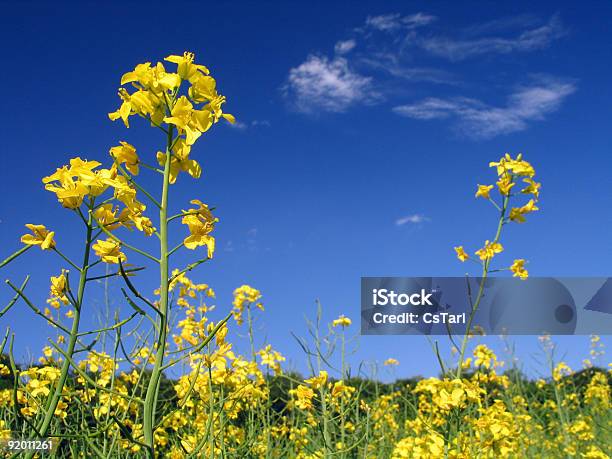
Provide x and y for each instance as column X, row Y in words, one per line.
column 57, row 393
column 485, row 273
column 70, row 262
column 251, row 338
column 10, row 258
column 153, row 387
column 123, row 243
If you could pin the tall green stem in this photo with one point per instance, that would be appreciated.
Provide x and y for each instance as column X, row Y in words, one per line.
column 74, row 334
column 153, row 387
column 251, row 338
column 485, row 274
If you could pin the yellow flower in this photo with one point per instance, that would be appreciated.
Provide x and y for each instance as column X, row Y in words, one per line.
column 58, row 288
column 483, row 191
column 562, row 369
column 180, row 161
column 461, row 254
column 271, row 358
column 37, row 387
column 72, row 184
column 517, row 166
column 342, row 321
column 193, row 122
column 106, row 215
column 142, row 102
column 489, row 250
column 204, row 89
column 109, row 251
column 187, row 70
column 531, row 188
column 484, row 356
column 505, row 184
column 316, row 382
column 40, row 237
column 339, row 388
column 156, row 79
column 126, row 153
column 517, row 214
column 390, row 362
column 518, row 269
column 201, row 223
column 244, row 295
column 303, row 396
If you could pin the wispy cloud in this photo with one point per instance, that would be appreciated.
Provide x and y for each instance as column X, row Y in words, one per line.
column 344, row 46
column 326, row 84
column 390, row 54
column 528, row 40
column 392, row 64
column 479, row 120
column 519, row 21
column 241, row 126
column 413, row 219
column 395, row 21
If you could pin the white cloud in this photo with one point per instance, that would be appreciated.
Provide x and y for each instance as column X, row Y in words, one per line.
column 395, row 21
column 345, row 46
column 417, row 20
column 393, row 65
column 369, row 67
column 322, row 84
column 478, row 120
column 414, row 219
column 384, row 22
column 528, row 40
column 503, row 24
column 428, row 109
column 239, row 125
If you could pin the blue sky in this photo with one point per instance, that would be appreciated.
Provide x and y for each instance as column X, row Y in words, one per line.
column 362, row 131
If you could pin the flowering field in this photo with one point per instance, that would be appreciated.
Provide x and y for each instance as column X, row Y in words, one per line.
column 114, row 391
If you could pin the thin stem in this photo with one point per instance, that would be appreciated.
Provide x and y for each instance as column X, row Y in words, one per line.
column 113, row 327
column 182, row 214
column 133, row 182
column 106, row 276
column 125, row 244
column 36, row 310
column 153, row 168
column 59, row 387
column 153, row 386
column 10, row 258
column 189, row 268
column 485, row 273
column 179, row 246
column 15, row 298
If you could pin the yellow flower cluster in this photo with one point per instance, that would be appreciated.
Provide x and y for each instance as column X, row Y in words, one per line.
column 244, row 296
column 509, row 171
column 201, row 223
column 224, row 404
